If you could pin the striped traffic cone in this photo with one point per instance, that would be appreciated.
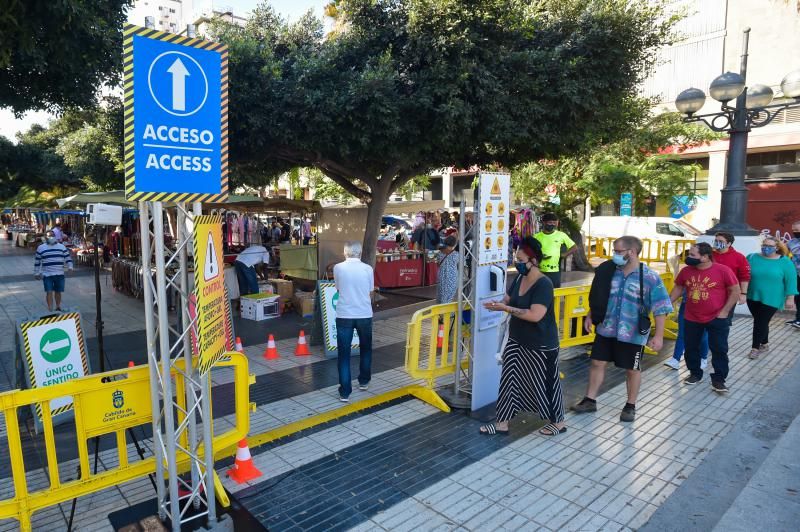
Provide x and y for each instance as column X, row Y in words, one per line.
column 440, row 336
column 271, row 352
column 243, row 469
column 302, row 346
column 238, row 346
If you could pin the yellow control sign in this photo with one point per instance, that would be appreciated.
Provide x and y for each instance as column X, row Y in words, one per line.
column 209, row 290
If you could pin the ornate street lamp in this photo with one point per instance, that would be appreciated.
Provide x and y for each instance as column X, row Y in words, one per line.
column 752, row 109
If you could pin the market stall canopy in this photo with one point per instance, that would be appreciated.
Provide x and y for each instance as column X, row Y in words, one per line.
column 267, row 205
column 113, row 197
column 413, row 207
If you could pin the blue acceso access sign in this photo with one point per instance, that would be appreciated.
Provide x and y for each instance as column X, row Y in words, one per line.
column 175, row 117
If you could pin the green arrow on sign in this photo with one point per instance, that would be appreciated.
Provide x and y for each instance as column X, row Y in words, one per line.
column 55, row 345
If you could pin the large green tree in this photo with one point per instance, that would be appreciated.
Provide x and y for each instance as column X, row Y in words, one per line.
column 644, row 162
column 58, row 53
column 81, row 148
column 407, row 86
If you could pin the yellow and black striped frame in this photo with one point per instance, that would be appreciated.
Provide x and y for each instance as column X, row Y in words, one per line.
column 24, row 326
column 130, row 178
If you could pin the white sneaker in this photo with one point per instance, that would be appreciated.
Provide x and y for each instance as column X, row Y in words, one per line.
column 672, row 363
column 703, row 363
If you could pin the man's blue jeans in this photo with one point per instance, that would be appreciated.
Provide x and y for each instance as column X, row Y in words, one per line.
column 344, row 342
column 718, row 330
column 679, row 343
column 248, row 280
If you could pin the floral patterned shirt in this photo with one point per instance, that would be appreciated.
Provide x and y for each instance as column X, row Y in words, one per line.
column 622, row 313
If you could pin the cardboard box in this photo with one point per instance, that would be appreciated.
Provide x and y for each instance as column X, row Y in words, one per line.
column 283, row 288
column 259, row 307
column 304, row 304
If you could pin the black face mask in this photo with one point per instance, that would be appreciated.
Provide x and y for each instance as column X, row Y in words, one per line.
column 549, row 228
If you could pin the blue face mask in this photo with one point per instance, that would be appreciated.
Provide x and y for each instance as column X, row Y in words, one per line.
column 768, row 250
column 522, row 268
column 619, row 260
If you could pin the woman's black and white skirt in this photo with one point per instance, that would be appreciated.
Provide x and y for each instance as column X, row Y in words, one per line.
column 529, row 382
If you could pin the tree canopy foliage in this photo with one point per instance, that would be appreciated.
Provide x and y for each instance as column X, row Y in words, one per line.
column 411, row 85
column 645, row 162
column 80, row 149
column 58, row 53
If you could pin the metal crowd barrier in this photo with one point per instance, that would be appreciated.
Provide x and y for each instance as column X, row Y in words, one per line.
column 105, row 403
column 427, row 361
column 652, row 250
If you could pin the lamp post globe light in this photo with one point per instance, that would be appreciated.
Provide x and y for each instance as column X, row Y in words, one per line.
column 753, row 108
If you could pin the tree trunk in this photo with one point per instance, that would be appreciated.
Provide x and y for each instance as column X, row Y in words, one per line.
column 579, row 260
column 375, row 208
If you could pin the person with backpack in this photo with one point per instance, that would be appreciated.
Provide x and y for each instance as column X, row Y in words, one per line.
column 622, row 296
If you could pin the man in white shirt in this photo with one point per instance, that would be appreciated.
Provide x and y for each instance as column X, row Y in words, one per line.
column 355, row 282
column 245, row 265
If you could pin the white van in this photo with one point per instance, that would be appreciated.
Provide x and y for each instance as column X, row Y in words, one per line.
column 654, row 228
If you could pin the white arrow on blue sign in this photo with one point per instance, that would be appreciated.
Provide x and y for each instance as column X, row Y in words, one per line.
column 178, row 121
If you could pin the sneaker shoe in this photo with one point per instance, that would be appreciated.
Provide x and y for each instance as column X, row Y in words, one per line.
column 672, row 363
column 795, row 324
column 764, row 348
column 584, row 406
column 363, row 387
column 753, row 354
column 344, row 399
column 703, row 363
column 628, row 414
column 719, row 387
column 692, row 379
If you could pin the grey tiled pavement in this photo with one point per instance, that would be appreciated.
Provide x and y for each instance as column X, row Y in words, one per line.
column 600, row 475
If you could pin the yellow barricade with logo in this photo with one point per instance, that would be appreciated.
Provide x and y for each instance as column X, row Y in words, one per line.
column 105, row 403
column 652, row 250
column 429, row 358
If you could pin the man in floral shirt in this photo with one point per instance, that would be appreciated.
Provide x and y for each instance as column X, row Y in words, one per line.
column 794, row 247
column 617, row 337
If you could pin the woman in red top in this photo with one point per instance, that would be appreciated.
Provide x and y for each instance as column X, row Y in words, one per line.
column 725, row 254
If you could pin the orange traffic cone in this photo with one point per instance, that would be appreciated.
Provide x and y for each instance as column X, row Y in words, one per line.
column 271, row 352
column 238, row 345
column 302, row 346
column 440, row 336
column 243, row 469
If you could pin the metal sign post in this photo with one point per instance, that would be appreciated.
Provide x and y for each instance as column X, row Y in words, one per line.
column 175, row 151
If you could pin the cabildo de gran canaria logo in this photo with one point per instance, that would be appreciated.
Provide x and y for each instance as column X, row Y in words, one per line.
column 118, row 398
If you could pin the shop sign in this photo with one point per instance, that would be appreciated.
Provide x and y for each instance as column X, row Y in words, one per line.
column 211, row 296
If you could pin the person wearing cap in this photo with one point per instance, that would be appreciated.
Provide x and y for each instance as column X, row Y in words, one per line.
column 553, row 241
column 447, row 279
column 245, row 265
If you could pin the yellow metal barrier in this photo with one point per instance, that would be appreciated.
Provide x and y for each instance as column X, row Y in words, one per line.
column 652, row 250
column 104, row 403
column 424, row 358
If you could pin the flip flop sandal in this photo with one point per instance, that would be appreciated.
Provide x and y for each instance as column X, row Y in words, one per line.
column 551, row 430
column 492, row 430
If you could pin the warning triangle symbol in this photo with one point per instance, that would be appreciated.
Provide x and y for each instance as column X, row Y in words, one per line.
column 210, row 268
column 495, row 187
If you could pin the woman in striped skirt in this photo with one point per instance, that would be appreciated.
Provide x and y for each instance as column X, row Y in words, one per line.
column 529, row 381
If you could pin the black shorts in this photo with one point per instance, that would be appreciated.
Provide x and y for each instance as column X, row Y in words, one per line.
column 622, row 354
